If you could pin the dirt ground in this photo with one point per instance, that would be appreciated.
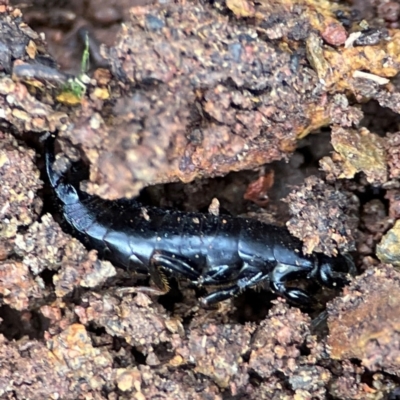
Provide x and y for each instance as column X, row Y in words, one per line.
column 286, row 111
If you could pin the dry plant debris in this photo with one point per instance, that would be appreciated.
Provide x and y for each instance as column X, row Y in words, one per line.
column 360, row 151
column 388, row 250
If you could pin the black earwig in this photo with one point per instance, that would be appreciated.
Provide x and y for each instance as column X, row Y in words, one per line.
column 228, row 253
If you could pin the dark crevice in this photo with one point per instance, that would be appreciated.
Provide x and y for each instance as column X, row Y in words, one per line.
column 304, row 350
column 139, row 357
column 367, row 376
column 123, row 355
column 252, row 306
column 173, row 296
column 16, row 324
column 246, row 356
column 96, row 330
column 164, row 352
column 47, row 276
column 378, row 119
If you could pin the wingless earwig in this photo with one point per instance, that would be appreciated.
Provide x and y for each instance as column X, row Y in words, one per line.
column 229, row 254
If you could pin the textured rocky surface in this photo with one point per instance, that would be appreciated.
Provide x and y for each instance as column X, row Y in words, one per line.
column 191, row 90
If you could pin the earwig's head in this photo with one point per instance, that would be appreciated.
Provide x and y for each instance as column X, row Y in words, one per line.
column 334, row 271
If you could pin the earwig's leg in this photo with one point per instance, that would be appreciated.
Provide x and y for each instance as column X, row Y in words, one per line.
column 330, row 278
column 334, row 272
column 158, row 278
column 174, row 265
column 297, row 296
column 219, row 295
column 213, row 278
column 231, row 291
column 163, row 261
column 222, row 274
column 282, row 273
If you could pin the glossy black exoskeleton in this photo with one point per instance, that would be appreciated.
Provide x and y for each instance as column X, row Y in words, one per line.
column 228, row 253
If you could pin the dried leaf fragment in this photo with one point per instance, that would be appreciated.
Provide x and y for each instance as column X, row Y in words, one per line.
column 257, row 191
column 316, row 56
column 360, row 151
column 388, row 250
